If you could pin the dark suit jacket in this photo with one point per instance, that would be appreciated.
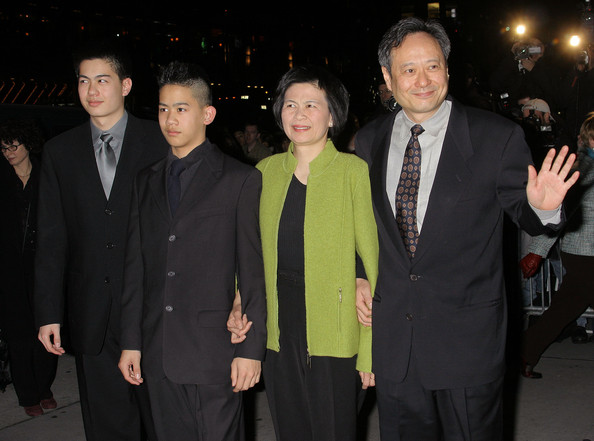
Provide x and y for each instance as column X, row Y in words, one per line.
column 180, row 272
column 448, row 304
column 82, row 235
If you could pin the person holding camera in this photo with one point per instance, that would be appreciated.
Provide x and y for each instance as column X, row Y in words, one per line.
column 543, row 131
column 524, row 74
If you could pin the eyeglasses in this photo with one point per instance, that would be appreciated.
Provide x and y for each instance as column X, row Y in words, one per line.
column 10, row 148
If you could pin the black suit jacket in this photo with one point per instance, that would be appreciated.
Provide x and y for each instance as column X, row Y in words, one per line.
column 181, row 271
column 448, row 304
column 82, row 235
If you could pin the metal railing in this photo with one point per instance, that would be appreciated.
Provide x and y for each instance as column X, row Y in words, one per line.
column 539, row 290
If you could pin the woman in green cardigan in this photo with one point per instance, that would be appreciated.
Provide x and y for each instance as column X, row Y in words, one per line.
column 316, row 217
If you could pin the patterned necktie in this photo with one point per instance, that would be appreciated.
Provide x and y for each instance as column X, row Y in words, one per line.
column 408, row 190
column 106, row 163
column 174, row 184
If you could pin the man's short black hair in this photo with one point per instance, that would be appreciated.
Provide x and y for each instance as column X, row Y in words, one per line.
column 189, row 75
column 112, row 51
column 395, row 36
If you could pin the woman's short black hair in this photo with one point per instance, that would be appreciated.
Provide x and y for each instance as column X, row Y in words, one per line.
column 23, row 131
column 336, row 94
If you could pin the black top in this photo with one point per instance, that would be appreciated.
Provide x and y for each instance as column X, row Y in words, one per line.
column 17, row 248
column 290, row 230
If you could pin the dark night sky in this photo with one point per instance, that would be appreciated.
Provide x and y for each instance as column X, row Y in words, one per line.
column 343, row 33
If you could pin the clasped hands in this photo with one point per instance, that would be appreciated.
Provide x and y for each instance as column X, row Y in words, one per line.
column 239, row 325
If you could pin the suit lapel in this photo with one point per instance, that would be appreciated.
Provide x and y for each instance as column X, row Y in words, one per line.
column 452, row 178
column 208, row 173
column 157, row 182
column 377, row 174
column 132, row 148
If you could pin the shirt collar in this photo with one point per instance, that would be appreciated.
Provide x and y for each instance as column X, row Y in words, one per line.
column 117, row 131
column 192, row 158
column 432, row 125
column 318, row 165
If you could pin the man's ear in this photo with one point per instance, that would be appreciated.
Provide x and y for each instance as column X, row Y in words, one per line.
column 126, row 86
column 209, row 114
column 387, row 78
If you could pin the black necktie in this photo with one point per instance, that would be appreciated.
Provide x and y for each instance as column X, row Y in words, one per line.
column 106, row 163
column 174, row 184
column 408, row 191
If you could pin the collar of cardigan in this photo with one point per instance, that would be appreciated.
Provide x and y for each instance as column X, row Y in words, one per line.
column 318, row 165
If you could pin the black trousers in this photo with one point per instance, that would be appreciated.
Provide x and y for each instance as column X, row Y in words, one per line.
column 33, row 369
column 575, row 295
column 191, row 412
column 409, row 412
column 112, row 408
column 310, row 398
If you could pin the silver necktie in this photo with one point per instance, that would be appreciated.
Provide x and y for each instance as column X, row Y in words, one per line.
column 106, row 163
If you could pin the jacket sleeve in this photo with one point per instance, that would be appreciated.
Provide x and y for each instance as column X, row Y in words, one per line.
column 250, row 268
column 133, row 289
column 367, row 246
column 52, row 245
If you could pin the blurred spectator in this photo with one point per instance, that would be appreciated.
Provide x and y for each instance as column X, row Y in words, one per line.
column 253, row 148
column 385, row 96
column 239, row 137
column 473, row 94
column 524, row 73
column 33, row 368
column 543, row 131
column 577, row 256
column 345, row 139
column 384, row 103
column 267, row 139
column 228, row 142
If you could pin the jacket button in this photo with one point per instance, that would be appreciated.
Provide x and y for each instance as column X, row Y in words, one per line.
column 109, row 245
column 106, row 280
column 409, row 317
column 108, row 211
column 169, row 308
column 413, row 277
column 171, row 273
column 172, row 238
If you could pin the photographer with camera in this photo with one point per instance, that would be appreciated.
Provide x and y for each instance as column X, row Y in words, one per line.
column 543, row 131
column 523, row 75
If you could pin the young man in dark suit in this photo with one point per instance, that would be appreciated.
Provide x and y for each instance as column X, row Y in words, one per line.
column 439, row 313
column 85, row 188
column 193, row 236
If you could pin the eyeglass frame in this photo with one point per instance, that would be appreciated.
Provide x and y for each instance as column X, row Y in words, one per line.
column 11, row 147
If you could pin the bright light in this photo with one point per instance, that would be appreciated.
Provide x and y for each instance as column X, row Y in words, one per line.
column 520, row 29
column 575, row 40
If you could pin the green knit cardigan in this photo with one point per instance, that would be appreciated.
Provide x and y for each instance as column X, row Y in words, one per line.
column 339, row 223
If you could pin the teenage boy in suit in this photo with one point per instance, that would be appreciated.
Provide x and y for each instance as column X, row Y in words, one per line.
column 85, row 187
column 193, row 236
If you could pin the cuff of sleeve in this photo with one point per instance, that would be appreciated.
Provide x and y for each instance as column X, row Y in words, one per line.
column 548, row 217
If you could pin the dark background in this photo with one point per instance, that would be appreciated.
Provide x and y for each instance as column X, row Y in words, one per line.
column 37, row 40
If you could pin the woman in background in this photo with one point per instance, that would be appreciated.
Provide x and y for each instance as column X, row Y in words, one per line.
column 33, row 368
